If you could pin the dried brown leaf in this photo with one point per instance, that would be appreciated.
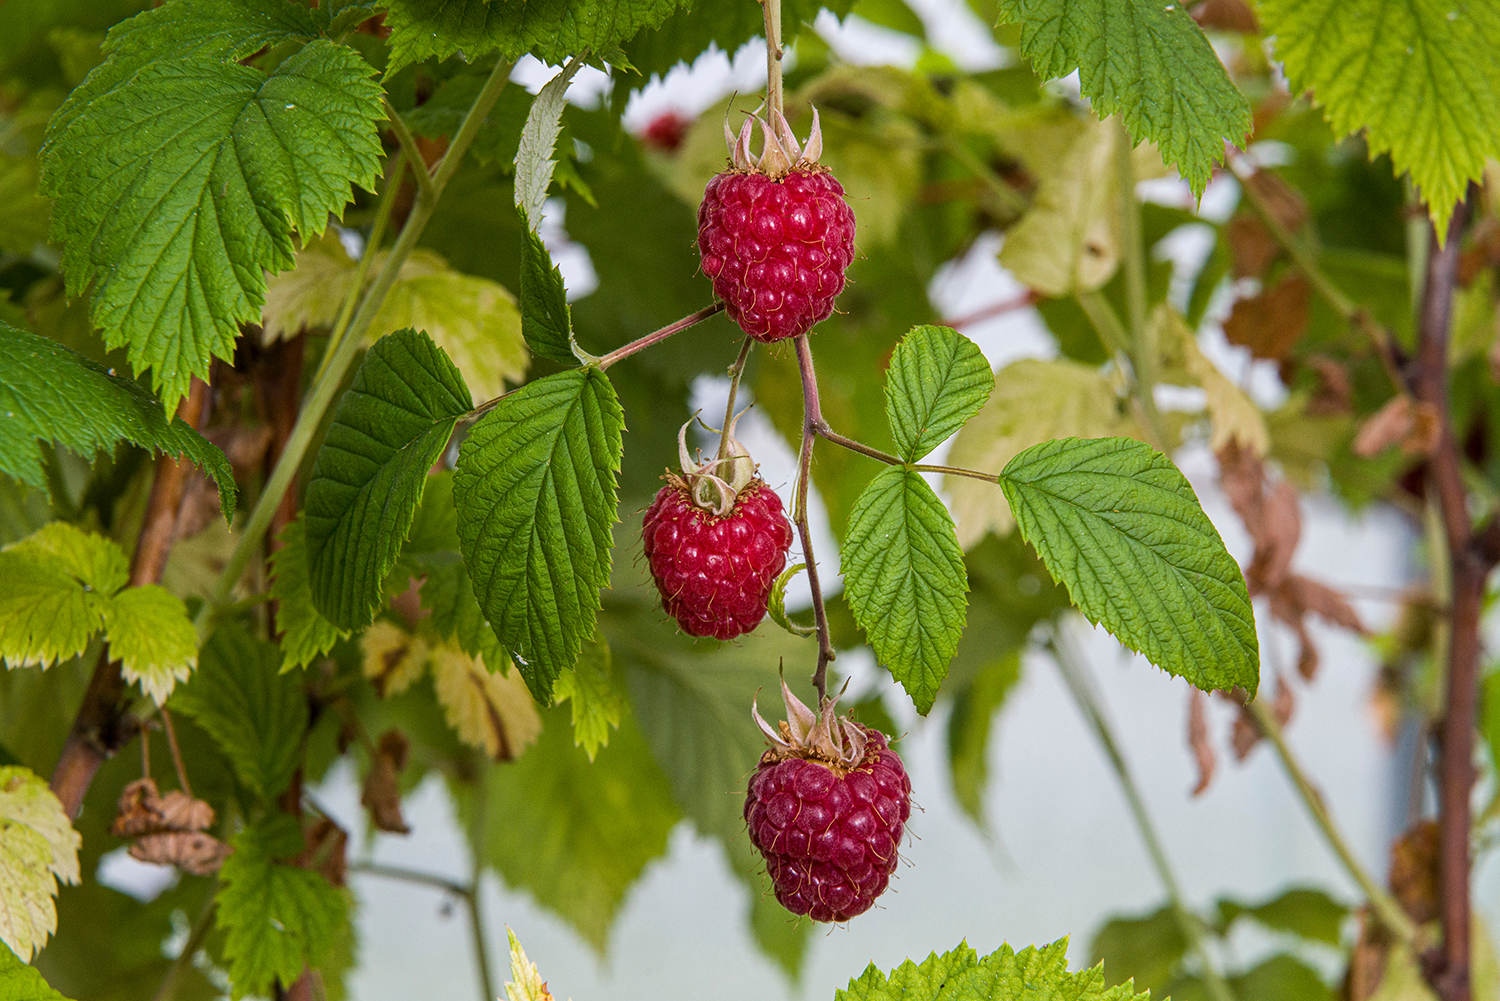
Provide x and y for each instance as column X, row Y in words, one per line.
column 1227, row 15
column 1414, row 871
column 1197, row 735
column 1404, row 421
column 382, row 791
column 1252, row 248
column 1287, row 206
column 1335, row 395
column 193, row 852
column 1270, row 322
column 326, row 851
column 169, row 829
column 1246, row 732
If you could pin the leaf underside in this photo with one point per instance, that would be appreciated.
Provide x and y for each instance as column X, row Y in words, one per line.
column 1118, row 524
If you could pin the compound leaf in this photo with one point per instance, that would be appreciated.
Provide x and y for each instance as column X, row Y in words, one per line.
column 536, row 496
column 1119, row 525
column 1417, row 77
column 150, row 633
column 938, row 379
column 38, row 846
column 391, row 426
column 254, row 713
column 181, row 186
column 49, row 393
column 277, row 918
column 1147, row 60
column 305, row 634
column 905, row 580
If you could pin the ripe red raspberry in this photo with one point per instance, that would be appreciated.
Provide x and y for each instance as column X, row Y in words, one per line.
column 667, row 131
column 776, row 235
column 827, row 808
column 716, row 545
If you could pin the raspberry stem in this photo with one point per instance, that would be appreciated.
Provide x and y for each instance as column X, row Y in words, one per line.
column 656, row 336
column 812, row 418
column 735, row 371
column 772, row 11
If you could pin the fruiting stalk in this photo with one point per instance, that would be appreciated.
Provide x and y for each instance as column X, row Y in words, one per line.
column 772, row 11
column 812, row 419
column 735, row 371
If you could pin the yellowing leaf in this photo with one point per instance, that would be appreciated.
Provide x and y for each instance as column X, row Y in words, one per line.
column 393, row 658
column 149, row 631
column 38, row 846
column 526, row 983
column 491, row 711
column 1033, row 401
column 1235, row 416
column 473, row 319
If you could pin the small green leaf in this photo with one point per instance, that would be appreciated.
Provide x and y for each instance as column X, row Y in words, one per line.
column 181, row 186
column 1032, row 974
column 905, row 580
column 276, row 918
column 38, row 846
column 776, row 604
column 390, row 427
column 534, row 163
column 1417, row 78
column 596, row 700
column 1120, row 526
column 149, row 632
column 1491, row 722
column 48, row 393
column 536, row 496
column 55, row 585
column 305, row 634
column 255, row 714
column 1312, row 914
column 21, row 982
column 546, row 321
column 1147, row 60
column 1147, row 949
column 938, row 379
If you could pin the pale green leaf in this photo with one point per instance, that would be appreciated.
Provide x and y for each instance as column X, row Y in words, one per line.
column 21, row 982
column 1118, row 525
column 1312, row 914
column 149, row 632
column 48, row 393
column 474, row 320
column 938, row 379
column 526, row 983
column 536, row 496
column 1491, row 721
column 389, row 429
column 1235, row 416
column 1418, row 78
column 253, row 712
column 1148, row 61
column 38, row 846
column 1034, row 401
column 487, row 705
column 305, row 634
column 277, row 918
column 55, row 585
column 552, row 30
column 905, row 580
column 596, row 700
column 1033, row 974
column 534, row 163
column 576, row 834
column 182, row 184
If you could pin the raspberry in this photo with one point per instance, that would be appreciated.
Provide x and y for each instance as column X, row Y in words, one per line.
column 667, row 131
column 715, row 572
column 776, row 235
column 827, row 808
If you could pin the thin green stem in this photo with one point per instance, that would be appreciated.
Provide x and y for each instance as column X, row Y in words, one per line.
column 657, row 336
column 772, row 11
column 1081, row 687
column 735, row 371
column 476, row 912
column 1387, row 911
column 409, row 147
column 410, row 876
column 822, row 430
column 331, row 378
column 1143, row 347
column 199, row 932
column 1118, row 341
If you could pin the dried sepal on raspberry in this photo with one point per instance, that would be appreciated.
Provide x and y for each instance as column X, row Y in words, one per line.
column 826, row 809
column 715, row 485
column 780, row 153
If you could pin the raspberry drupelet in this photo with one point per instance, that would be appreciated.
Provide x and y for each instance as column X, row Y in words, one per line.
column 715, row 545
column 826, row 809
column 775, row 233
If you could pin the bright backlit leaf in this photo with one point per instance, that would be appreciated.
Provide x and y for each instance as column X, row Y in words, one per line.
column 38, row 847
column 150, row 633
column 1033, row 974
column 592, row 691
column 489, row 707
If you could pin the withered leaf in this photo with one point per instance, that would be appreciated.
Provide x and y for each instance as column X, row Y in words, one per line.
column 1197, row 735
column 1404, row 421
column 1414, row 871
column 327, row 845
column 1273, row 320
column 393, row 658
column 1246, row 734
column 1252, row 248
column 1227, row 15
column 169, row 829
column 1335, row 395
column 382, row 792
column 194, row 852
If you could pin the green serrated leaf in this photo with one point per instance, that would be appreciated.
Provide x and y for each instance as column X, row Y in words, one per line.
column 910, row 980
column 255, row 714
column 938, row 379
column 552, row 30
column 776, row 603
column 534, row 163
column 21, row 982
column 149, row 631
column 545, row 319
column 905, row 580
column 969, row 728
column 276, row 918
column 536, row 496
column 596, row 700
column 1417, row 77
column 48, row 393
column 1120, row 527
column 1147, row 60
column 182, row 184
column 576, row 834
column 38, row 847
column 55, row 586
column 305, row 634
column 390, row 427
